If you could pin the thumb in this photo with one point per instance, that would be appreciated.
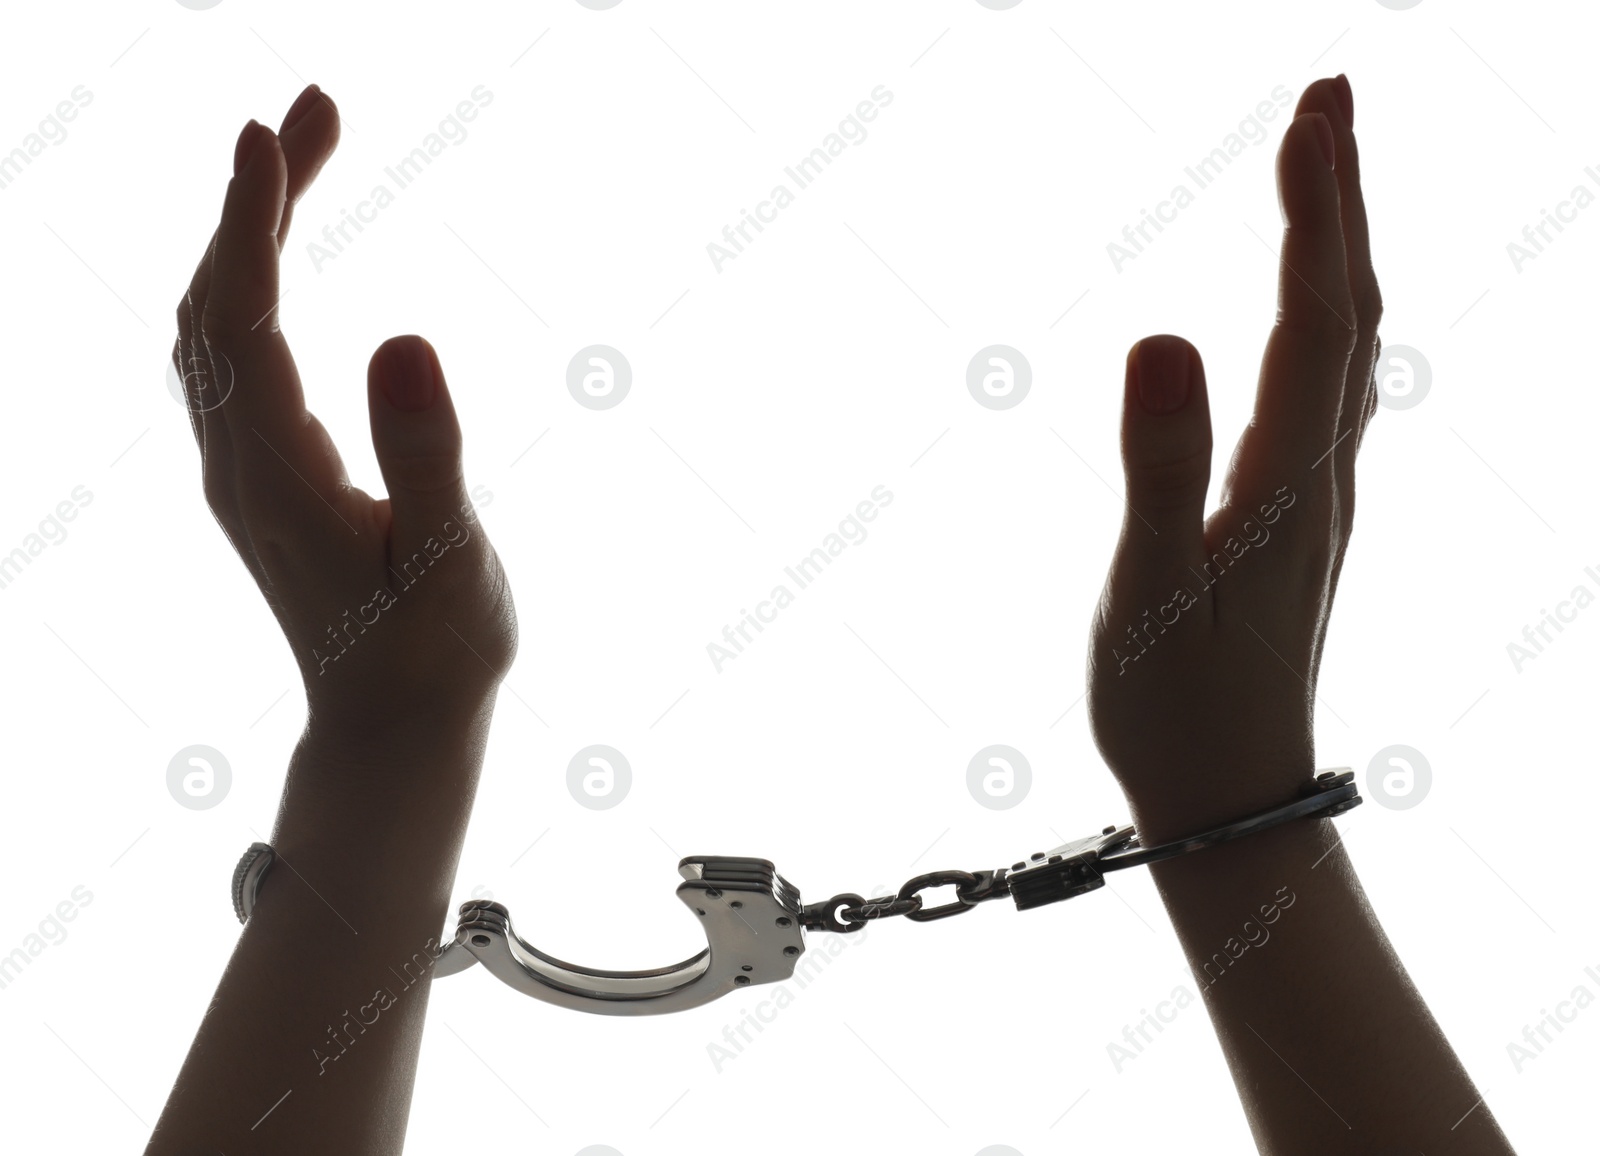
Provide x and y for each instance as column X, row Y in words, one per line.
column 417, row 439
column 1166, row 458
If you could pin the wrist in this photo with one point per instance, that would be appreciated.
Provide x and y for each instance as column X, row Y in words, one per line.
column 1204, row 797
column 378, row 732
column 1288, row 849
column 388, row 798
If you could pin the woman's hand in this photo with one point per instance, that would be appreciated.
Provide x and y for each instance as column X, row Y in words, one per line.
column 402, row 624
column 1203, row 673
column 1204, row 650
column 396, row 608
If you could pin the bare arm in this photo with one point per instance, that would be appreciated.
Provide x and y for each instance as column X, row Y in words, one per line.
column 1202, row 675
column 310, row 1042
column 1330, row 1044
column 401, row 622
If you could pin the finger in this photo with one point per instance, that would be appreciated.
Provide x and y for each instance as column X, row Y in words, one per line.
column 216, row 453
column 309, row 134
column 250, row 141
column 193, row 301
column 1301, row 385
column 287, row 469
column 199, row 391
column 204, row 392
column 311, row 131
column 1334, row 100
column 190, row 361
column 418, row 443
column 242, row 295
column 239, row 323
column 1166, row 458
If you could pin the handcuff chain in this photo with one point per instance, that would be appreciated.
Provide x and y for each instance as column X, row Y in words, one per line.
column 847, row 911
column 1071, row 869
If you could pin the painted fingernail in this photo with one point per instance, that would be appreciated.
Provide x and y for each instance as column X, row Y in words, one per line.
column 410, row 376
column 249, row 141
column 1161, row 368
column 1347, row 101
column 1324, row 136
column 302, row 105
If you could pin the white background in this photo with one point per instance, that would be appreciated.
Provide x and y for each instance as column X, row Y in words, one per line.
column 767, row 400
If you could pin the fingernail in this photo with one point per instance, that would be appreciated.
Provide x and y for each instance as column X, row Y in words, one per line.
column 1324, row 136
column 249, row 141
column 1160, row 368
column 1347, row 101
column 410, row 377
column 302, row 105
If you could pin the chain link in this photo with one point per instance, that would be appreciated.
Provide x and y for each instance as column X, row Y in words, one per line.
column 848, row 911
column 1071, row 869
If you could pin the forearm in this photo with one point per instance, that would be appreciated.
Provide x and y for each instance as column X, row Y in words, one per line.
column 1331, row 1046
column 310, row 1042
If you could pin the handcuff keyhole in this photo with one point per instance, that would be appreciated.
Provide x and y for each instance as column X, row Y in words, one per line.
column 741, row 980
column 480, row 941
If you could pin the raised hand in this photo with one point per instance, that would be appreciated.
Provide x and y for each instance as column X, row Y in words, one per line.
column 1203, row 671
column 389, row 604
column 1203, row 656
column 400, row 619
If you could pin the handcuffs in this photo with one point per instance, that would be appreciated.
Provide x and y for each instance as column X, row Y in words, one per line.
column 755, row 923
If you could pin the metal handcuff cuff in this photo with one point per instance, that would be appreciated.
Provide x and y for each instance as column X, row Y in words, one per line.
column 755, row 923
